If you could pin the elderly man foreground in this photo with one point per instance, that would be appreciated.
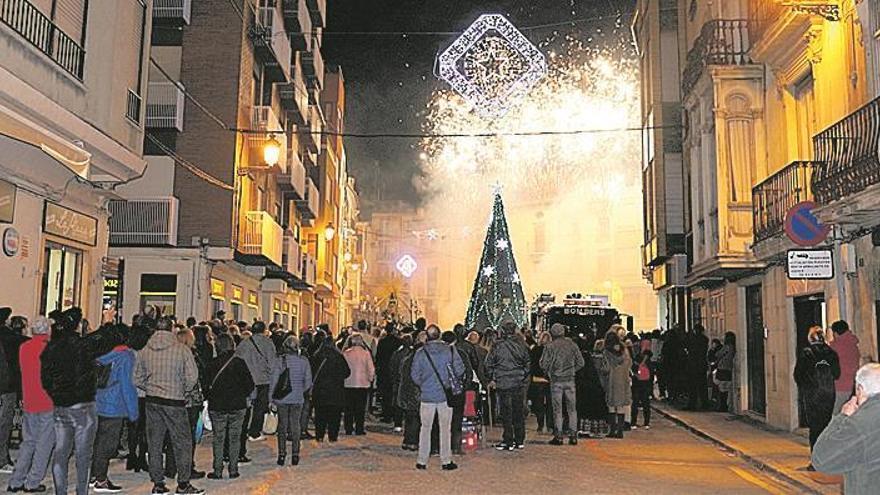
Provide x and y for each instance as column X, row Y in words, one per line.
column 850, row 442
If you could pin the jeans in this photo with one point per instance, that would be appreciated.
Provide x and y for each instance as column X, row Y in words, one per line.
column 258, row 415
column 288, row 428
column 74, row 431
column 137, row 435
column 327, row 420
column 7, row 413
column 305, row 415
column 455, row 437
column 427, row 411
column 355, row 409
column 192, row 415
column 162, row 419
column 35, row 452
column 227, row 431
column 558, row 390
column 512, row 413
column 641, row 400
column 106, row 443
column 412, row 423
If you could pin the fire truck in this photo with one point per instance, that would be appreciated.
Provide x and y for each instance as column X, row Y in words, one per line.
column 581, row 314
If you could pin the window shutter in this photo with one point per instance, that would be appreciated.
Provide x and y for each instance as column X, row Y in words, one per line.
column 69, row 17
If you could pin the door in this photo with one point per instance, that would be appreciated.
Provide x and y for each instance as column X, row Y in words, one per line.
column 808, row 311
column 755, row 350
column 62, row 275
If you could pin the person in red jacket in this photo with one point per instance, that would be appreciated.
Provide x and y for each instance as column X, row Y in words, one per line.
column 846, row 345
column 38, row 423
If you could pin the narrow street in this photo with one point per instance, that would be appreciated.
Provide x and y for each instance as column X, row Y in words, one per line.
column 665, row 460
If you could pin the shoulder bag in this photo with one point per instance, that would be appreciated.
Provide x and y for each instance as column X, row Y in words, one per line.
column 452, row 399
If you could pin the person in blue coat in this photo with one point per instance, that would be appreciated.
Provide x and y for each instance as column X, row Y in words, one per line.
column 290, row 406
column 116, row 401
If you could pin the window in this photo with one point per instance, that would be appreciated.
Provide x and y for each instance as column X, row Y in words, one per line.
column 132, row 20
column 805, row 115
column 159, row 290
column 55, row 27
column 62, row 275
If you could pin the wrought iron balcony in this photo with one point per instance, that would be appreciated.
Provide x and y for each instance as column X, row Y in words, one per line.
column 165, row 103
column 25, row 19
column 849, row 153
column 261, row 239
column 143, row 222
column 172, row 11
column 133, row 106
column 772, row 198
column 721, row 42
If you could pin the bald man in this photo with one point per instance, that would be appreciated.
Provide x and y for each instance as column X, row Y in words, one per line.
column 850, row 443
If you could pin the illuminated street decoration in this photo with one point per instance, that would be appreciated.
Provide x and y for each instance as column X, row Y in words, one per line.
column 407, row 265
column 492, row 65
column 501, row 244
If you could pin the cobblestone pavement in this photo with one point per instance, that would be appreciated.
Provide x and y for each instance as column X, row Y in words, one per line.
column 666, row 459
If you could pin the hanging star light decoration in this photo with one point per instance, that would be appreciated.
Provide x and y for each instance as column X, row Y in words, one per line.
column 501, row 244
column 432, row 234
column 488, row 271
column 492, row 65
column 407, row 265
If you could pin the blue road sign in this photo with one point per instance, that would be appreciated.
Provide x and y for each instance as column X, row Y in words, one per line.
column 803, row 227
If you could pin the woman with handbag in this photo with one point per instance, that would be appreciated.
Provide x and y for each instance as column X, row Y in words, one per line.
column 291, row 379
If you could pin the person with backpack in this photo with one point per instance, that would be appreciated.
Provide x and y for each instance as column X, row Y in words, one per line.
column 291, row 379
column 642, row 387
column 116, row 401
column 816, row 370
column 228, row 384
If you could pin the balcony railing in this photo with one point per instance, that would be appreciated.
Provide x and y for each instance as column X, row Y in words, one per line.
column 270, row 34
column 310, row 205
column 143, row 222
column 721, row 42
column 25, row 19
column 763, row 14
column 165, row 104
column 849, row 153
column 172, row 10
column 292, row 262
column 293, row 95
column 264, row 118
column 313, row 67
column 774, row 197
column 261, row 238
column 294, row 181
column 318, row 11
column 298, row 22
column 133, row 107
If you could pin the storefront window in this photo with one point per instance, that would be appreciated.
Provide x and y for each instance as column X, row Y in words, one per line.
column 62, row 272
column 216, row 306
column 236, row 311
column 161, row 291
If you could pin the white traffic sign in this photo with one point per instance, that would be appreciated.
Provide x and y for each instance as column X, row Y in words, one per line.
column 810, row 264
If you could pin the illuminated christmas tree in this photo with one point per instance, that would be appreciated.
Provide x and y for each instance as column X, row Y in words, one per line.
column 498, row 294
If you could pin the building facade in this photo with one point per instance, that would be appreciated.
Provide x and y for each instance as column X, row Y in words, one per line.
column 779, row 106
column 72, row 85
column 234, row 126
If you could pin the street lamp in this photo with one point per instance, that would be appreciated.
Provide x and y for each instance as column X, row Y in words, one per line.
column 271, row 151
column 329, row 232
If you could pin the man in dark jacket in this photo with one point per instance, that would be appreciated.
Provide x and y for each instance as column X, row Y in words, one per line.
column 815, row 371
column 228, row 384
column 329, row 371
column 259, row 353
column 850, row 443
column 384, row 349
column 507, row 368
column 67, row 370
column 697, row 368
column 561, row 361
column 10, row 389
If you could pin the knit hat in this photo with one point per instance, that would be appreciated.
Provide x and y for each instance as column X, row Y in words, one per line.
column 557, row 330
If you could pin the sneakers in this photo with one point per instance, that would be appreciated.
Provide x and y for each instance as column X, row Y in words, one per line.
column 450, row 467
column 7, row 468
column 14, row 489
column 520, row 446
column 398, row 429
column 281, row 460
column 188, row 489
column 294, row 461
column 634, row 427
column 244, row 459
column 573, row 440
column 646, row 427
column 421, row 466
column 106, row 486
column 258, row 438
column 195, row 474
column 215, row 476
column 504, row 446
column 159, row 488
column 37, row 489
column 556, row 441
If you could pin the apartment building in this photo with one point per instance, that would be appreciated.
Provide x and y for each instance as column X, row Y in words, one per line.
column 217, row 221
column 72, row 84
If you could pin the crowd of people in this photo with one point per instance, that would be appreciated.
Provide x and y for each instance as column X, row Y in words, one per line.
column 151, row 388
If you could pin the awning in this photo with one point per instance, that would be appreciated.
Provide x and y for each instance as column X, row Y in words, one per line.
column 18, row 127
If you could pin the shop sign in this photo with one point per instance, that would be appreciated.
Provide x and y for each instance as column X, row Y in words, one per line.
column 11, row 241
column 69, row 224
column 237, row 293
column 111, row 286
column 7, row 201
column 810, row 264
column 218, row 289
column 253, row 299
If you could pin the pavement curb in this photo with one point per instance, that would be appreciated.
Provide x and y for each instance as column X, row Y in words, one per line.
column 754, row 461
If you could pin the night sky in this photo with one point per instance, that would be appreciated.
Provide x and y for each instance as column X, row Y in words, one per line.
column 389, row 78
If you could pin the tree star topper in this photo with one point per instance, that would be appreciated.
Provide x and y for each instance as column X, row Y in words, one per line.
column 492, row 64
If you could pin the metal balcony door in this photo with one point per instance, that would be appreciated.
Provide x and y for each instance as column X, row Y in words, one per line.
column 755, row 350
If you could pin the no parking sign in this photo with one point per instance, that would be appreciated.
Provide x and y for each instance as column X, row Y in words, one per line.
column 803, row 227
